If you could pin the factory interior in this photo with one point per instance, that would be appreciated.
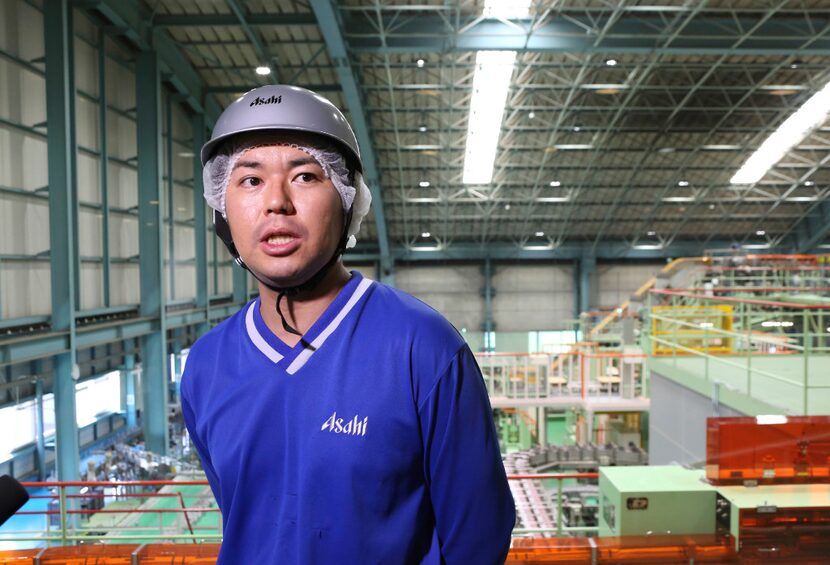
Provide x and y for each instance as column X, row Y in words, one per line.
column 621, row 205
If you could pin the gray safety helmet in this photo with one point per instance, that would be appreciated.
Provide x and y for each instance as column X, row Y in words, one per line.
column 283, row 107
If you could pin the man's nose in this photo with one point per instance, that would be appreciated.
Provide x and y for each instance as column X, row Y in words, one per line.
column 278, row 196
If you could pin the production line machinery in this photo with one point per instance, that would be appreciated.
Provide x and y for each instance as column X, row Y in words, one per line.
column 765, row 489
column 537, row 503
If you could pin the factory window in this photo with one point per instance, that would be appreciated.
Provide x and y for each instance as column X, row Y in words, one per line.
column 18, row 425
column 96, row 397
column 552, row 341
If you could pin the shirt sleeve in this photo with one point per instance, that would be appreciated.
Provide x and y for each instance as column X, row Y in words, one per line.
column 204, row 454
column 471, row 500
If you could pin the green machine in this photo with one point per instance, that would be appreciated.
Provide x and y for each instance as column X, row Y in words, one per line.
column 660, row 499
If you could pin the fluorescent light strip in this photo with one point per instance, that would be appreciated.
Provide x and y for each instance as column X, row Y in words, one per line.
column 490, row 85
column 811, row 115
column 517, row 9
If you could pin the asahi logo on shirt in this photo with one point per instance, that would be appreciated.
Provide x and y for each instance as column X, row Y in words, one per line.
column 353, row 427
column 272, row 100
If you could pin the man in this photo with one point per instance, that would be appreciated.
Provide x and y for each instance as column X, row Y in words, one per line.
column 338, row 420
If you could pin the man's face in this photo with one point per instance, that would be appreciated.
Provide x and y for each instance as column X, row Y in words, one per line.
column 285, row 216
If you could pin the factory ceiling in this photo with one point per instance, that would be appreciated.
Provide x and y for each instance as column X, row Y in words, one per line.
column 623, row 122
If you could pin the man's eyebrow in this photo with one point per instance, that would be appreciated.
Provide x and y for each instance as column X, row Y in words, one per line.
column 302, row 161
column 248, row 164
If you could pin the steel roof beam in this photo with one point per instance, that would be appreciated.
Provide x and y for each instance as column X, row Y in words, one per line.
column 330, row 28
column 225, row 20
column 130, row 22
column 609, row 251
column 629, row 34
column 253, row 36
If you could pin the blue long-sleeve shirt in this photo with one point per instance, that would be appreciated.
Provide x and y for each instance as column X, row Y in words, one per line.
column 374, row 445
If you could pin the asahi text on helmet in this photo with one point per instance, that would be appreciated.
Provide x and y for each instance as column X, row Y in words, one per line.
column 261, row 101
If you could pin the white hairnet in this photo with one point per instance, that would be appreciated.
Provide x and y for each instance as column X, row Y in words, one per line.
column 216, row 174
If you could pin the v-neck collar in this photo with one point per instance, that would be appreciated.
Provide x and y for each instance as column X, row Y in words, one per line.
column 279, row 352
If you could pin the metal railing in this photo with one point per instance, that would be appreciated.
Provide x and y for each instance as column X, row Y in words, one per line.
column 86, row 512
column 585, row 372
column 739, row 335
column 70, row 525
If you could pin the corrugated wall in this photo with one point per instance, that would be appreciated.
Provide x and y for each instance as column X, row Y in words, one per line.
column 615, row 284
column 533, row 297
column 452, row 290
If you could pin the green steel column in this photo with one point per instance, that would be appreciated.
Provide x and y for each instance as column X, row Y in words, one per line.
column 151, row 269
column 63, row 221
column 386, row 268
column 487, row 292
column 197, row 124
column 103, row 165
column 171, row 203
column 587, row 266
column 41, row 443
column 129, row 387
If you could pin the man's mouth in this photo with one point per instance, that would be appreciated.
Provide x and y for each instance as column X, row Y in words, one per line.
column 280, row 239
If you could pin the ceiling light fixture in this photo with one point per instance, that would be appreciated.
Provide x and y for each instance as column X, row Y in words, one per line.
column 683, row 183
column 809, row 183
column 515, row 10
column 611, row 62
column 491, row 83
column 424, row 184
column 540, row 234
column 425, row 234
column 420, row 63
column 531, row 114
column 648, row 246
column 760, row 232
column 798, row 126
column 263, row 70
column 555, row 183
column 422, row 128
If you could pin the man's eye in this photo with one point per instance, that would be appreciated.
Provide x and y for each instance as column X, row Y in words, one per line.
column 307, row 177
column 251, row 181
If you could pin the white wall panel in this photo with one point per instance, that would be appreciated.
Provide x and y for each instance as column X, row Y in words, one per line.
column 452, row 290
column 17, row 17
column 86, row 117
column 123, row 236
column 89, row 179
column 121, row 135
column 89, row 233
column 124, row 284
column 24, row 225
column 122, row 186
column 616, row 283
column 92, row 286
column 184, row 246
column 25, row 289
column 86, row 61
column 185, row 282
column 533, row 297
